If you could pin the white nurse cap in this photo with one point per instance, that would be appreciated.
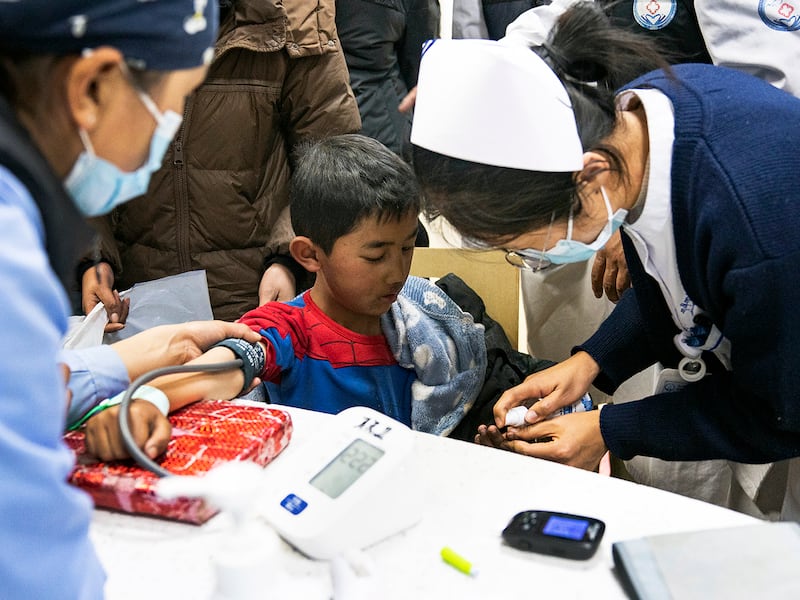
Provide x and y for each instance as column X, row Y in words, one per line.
column 494, row 104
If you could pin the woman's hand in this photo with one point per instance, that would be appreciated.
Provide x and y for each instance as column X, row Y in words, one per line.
column 610, row 271
column 547, row 391
column 573, row 439
column 168, row 345
column 150, row 430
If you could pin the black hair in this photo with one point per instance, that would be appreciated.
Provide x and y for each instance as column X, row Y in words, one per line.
column 592, row 58
column 16, row 64
column 339, row 181
column 23, row 72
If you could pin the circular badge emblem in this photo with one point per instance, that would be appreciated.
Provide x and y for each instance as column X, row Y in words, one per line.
column 654, row 14
column 781, row 15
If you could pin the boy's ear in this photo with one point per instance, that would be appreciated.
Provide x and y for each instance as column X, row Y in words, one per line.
column 305, row 252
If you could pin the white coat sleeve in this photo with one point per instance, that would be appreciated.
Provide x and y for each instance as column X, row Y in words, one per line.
column 760, row 38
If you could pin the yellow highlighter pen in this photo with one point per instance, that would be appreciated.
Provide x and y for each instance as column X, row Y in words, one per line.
column 455, row 560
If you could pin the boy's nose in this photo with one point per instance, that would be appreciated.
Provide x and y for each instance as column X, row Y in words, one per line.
column 399, row 268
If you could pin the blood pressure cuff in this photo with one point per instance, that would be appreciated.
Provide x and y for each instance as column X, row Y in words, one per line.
column 251, row 355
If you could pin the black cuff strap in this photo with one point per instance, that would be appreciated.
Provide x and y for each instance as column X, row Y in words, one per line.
column 251, row 355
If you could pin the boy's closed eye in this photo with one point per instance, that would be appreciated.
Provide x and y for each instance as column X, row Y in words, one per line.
column 403, row 249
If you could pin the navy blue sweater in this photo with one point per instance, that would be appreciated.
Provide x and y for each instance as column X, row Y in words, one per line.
column 736, row 220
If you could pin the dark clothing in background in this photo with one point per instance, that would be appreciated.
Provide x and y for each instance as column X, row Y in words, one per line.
column 382, row 42
column 681, row 37
column 220, row 200
column 505, row 366
column 499, row 13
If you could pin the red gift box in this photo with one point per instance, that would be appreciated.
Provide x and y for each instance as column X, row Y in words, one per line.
column 204, row 434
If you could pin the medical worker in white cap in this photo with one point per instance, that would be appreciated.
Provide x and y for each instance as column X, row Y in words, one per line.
column 545, row 151
column 90, row 96
column 743, row 34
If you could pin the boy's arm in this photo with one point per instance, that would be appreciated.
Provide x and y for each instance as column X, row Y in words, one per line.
column 279, row 325
column 185, row 388
column 150, row 429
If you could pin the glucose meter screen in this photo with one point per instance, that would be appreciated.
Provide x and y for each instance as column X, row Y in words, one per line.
column 562, row 527
column 344, row 470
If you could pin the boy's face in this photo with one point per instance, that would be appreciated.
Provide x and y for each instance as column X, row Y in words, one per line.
column 366, row 269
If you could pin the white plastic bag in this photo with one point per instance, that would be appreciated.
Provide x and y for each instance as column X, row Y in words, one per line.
column 174, row 299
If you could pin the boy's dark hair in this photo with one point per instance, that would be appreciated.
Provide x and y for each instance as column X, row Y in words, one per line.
column 339, row 181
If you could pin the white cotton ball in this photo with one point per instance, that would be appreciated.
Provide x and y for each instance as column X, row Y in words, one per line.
column 516, row 416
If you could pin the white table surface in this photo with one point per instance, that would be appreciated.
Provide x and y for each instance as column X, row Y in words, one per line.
column 470, row 492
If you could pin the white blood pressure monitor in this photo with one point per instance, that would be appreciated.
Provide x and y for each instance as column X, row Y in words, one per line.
column 348, row 488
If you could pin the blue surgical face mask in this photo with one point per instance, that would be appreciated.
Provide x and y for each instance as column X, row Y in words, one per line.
column 572, row 251
column 98, row 186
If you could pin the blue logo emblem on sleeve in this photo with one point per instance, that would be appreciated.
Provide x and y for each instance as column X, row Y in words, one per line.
column 780, row 15
column 654, row 15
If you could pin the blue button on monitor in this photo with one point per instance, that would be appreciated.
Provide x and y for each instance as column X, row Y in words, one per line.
column 294, row 504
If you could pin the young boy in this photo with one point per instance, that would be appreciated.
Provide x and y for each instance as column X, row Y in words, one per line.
column 353, row 338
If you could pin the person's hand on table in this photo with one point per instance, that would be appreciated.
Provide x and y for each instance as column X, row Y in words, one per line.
column 97, row 285
column 572, row 439
column 610, row 271
column 277, row 283
column 575, row 442
column 150, row 429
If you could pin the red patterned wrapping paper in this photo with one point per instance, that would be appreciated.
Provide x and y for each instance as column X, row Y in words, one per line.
column 203, row 435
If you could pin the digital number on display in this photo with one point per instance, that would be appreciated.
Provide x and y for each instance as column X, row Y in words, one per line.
column 346, row 468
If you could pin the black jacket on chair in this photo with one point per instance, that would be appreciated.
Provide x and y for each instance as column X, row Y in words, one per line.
column 505, row 366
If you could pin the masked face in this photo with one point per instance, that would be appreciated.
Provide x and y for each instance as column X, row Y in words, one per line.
column 98, row 186
column 572, row 251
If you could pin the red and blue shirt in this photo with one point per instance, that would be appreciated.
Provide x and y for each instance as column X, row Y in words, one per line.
column 316, row 364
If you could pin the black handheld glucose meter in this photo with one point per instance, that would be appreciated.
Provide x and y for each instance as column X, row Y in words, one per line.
column 557, row 534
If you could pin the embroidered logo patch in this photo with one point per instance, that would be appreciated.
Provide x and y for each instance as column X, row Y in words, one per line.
column 780, row 15
column 653, row 14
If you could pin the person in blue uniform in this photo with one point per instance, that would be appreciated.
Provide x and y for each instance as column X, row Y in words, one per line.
column 694, row 163
column 90, row 94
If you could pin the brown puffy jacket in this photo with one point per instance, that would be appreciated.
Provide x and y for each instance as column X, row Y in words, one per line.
column 220, row 200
